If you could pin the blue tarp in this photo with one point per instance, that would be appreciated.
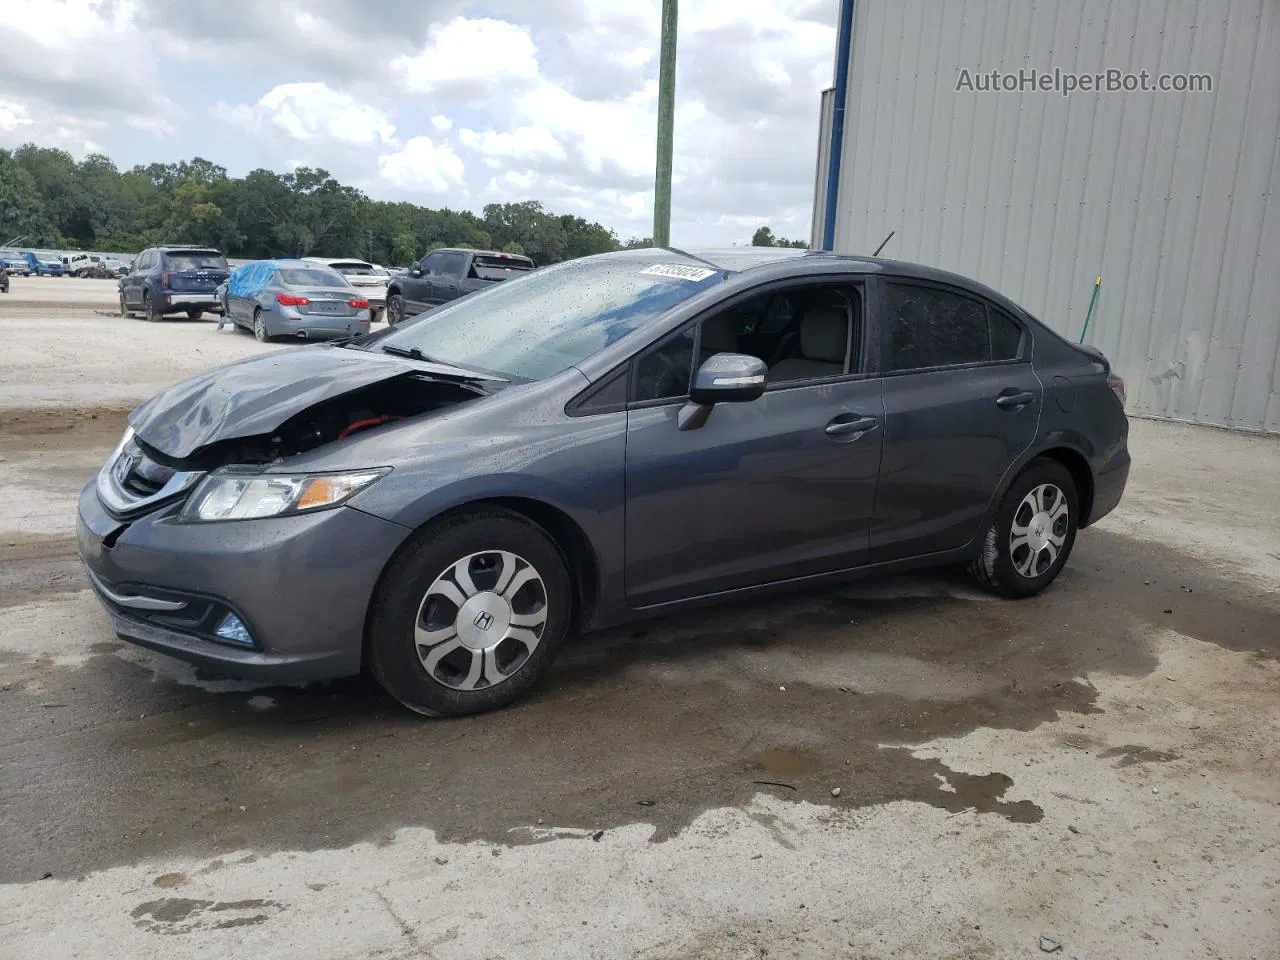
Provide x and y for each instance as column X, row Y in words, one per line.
column 248, row 279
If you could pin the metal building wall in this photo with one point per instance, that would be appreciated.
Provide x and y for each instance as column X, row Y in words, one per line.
column 1171, row 197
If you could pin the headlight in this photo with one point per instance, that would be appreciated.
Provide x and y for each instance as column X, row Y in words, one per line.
column 231, row 496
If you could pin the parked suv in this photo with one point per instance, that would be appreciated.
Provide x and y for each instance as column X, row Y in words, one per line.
column 173, row 279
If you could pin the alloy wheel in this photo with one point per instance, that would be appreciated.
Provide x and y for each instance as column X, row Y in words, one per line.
column 1039, row 530
column 395, row 309
column 481, row 620
column 259, row 328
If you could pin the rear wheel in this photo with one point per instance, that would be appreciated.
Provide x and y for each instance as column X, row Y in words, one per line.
column 395, row 309
column 194, row 314
column 149, row 309
column 260, row 326
column 1030, row 538
column 470, row 614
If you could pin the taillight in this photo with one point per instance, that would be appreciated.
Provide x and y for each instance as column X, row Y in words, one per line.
column 164, row 280
column 1117, row 386
column 289, row 300
column 358, row 304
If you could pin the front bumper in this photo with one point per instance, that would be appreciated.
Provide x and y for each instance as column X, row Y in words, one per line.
column 301, row 585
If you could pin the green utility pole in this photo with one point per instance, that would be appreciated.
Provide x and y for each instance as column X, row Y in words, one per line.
column 666, row 126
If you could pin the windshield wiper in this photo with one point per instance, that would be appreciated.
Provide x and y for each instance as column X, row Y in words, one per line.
column 413, row 353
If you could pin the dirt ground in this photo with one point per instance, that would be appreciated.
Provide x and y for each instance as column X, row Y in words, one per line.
column 898, row 768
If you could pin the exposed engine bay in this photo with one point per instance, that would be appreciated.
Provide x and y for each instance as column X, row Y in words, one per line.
column 331, row 421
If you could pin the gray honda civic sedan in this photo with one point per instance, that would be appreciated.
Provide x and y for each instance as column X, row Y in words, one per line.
column 445, row 501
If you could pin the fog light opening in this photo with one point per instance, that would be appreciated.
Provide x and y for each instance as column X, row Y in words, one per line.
column 232, row 628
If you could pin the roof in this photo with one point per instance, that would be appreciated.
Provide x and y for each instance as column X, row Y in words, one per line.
column 481, row 253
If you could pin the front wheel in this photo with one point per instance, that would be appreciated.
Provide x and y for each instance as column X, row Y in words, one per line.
column 470, row 614
column 395, row 309
column 124, row 307
column 1030, row 538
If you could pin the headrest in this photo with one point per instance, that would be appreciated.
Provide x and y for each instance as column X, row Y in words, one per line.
column 823, row 331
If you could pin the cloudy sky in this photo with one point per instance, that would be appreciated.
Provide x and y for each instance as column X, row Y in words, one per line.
column 443, row 102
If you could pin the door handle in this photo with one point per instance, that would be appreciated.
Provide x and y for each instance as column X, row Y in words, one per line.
column 858, row 426
column 1015, row 401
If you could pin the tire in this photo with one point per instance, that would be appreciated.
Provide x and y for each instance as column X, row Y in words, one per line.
column 1021, row 563
column 148, row 309
column 194, row 314
column 124, row 307
column 453, row 672
column 375, row 315
column 395, row 309
column 260, row 326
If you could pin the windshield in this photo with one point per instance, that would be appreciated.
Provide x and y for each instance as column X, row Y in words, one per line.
column 196, row 260
column 541, row 322
column 311, row 277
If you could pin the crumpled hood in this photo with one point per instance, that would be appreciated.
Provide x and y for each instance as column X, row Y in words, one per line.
column 256, row 396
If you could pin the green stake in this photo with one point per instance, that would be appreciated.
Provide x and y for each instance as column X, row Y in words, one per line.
column 1092, row 300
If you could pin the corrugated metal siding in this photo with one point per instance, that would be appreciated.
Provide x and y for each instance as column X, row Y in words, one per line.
column 1170, row 197
column 823, row 167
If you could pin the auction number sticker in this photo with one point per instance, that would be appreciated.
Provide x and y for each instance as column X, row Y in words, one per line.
column 678, row 271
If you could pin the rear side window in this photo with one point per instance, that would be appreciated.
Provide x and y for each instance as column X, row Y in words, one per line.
column 936, row 327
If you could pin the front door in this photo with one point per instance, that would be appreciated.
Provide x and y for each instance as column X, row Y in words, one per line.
column 962, row 402
column 778, row 488
column 417, row 290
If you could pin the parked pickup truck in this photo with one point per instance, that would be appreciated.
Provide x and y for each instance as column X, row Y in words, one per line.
column 446, row 274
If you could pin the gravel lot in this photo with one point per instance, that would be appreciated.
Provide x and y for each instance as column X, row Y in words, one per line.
column 1099, row 766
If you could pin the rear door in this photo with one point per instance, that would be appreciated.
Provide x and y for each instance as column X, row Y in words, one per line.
column 133, row 281
column 962, row 402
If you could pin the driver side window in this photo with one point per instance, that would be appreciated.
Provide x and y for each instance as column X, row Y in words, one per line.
column 802, row 334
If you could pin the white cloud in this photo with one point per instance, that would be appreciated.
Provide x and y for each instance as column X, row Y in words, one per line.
column 422, row 166
column 312, row 112
column 469, row 59
column 82, row 62
column 521, row 144
column 473, row 100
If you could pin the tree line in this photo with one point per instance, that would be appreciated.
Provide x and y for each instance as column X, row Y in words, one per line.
column 48, row 199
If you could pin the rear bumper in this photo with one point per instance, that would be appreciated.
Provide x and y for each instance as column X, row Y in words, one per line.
column 190, row 301
column 1109, row 483
column 315, row 326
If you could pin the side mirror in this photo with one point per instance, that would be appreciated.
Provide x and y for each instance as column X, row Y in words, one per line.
column 729, row 378
column 415, row 271
column 723, row 378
